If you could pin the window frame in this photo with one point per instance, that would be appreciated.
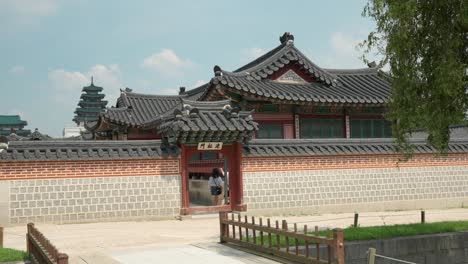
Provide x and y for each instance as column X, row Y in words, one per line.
column 341, row 118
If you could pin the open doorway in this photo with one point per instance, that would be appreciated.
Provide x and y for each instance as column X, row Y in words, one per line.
column 200, row 168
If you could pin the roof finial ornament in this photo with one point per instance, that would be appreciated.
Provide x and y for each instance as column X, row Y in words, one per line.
column 217, row 71
column 92, row 81
column 287, row 38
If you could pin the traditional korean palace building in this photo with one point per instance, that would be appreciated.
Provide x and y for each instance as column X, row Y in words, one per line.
column 293, row 138
column 290, row 96
column 12, row 124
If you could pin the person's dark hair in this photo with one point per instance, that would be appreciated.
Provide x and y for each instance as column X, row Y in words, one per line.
column 216, row 172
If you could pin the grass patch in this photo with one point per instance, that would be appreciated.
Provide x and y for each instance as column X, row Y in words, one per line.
column 380, row 232
column 8, row 254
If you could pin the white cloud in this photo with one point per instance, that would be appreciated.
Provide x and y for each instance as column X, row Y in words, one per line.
column 68, row 85
column 144, row 83
column 344, row 53
column 167, row 63
column 199, row 83
column 250, row 54
column 25, row 13
column 17, row 70
column 344, row 44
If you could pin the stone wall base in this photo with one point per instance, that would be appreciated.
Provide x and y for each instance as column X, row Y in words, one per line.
column 337, row 191
column 79, row 200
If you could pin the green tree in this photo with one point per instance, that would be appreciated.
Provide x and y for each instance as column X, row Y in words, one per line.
column 425, row 43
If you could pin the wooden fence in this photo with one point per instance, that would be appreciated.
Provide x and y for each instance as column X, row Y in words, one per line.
column 41, row 250
column 268, row 239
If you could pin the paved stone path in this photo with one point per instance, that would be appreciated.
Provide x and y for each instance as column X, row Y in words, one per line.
column 188, row 241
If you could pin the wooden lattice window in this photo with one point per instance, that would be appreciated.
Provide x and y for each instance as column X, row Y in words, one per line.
column 370, row 128
column 321, row 128
column 270, row 131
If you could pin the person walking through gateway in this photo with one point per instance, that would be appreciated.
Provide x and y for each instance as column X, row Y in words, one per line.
column 216, row 185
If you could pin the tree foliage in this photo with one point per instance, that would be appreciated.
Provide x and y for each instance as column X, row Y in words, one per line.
column 425, row 43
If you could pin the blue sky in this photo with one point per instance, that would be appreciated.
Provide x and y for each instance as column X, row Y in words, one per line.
column 49, row 48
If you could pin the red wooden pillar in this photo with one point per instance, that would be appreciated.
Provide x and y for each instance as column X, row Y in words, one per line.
column 184, row 180
column 236, row 180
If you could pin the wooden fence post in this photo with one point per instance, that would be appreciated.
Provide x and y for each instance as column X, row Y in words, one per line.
column 28, row 237
column 222, row 226
column 1, row 237
column 371, row 256
column 356, row 216
column 423, row 217
column 339, row 245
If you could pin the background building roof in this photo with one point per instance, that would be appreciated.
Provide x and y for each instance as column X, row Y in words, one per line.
column 14, row 120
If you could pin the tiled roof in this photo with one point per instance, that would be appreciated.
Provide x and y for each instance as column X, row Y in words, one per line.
column 196, row 121
column 85, row 150
column 137, row 109
column 147, row 149
column 18, row 132
column 356, row 86
column 12, row 120
column 92, row 88
column 197, row 92
column 364, row 86
column 309, row 147
column 285, row 54
column 86, row 96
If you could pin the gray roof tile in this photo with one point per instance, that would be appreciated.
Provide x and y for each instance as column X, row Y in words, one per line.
column 366, row 87
column 85, row 150
column 205, row 121
column 136, row 109
column 317, row 147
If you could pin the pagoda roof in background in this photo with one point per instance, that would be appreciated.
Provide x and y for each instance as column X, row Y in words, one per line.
column 92, row 87
column 91, row 104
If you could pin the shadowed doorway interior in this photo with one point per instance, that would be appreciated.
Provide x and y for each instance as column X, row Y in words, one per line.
column 200, row 167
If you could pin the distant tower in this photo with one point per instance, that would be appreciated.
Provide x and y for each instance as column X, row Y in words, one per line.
column 90, row 105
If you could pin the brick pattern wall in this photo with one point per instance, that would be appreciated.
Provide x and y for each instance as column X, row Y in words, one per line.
column 329, row 162
column 346, row 190
column 72, row 200
column 87, row 168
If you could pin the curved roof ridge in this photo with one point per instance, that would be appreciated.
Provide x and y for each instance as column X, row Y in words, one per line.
column 309, row 61
column 262, row 58
column 205, row 103
column 291, row 53
column 153, row 95
column 373, row 70
column 268, row 59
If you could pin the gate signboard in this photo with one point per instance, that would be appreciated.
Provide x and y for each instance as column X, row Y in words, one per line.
column 210, row 145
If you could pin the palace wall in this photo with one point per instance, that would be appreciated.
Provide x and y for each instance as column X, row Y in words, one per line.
column 316, row 184
column 106, row 190
column 89, row 190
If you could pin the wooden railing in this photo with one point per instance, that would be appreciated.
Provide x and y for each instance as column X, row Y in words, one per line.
column 41, row 250
column 268, row 239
